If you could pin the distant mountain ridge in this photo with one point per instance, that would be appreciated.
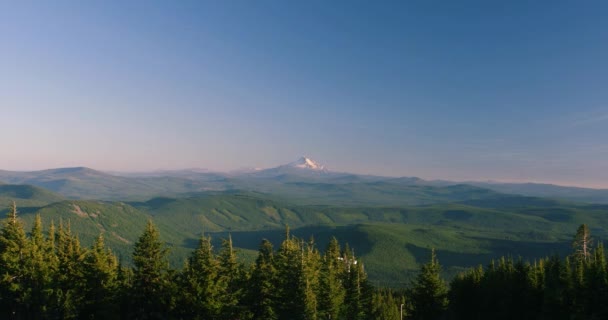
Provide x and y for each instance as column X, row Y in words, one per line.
column 304, row 179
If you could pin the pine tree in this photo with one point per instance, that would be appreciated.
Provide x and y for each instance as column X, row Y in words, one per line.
column 124, row 279
column 41, row 269
column 582, row 242
column 262, row 288
column 231, row 277
column 429, row 292
column 311, row 266
column 465, row 294
column 357, row 292
column 596, row 285
column 291, row 297
column 384, row 306
column 14, row 249
column 100, row 273
column 555, row 291
column 332, row 274
column 151, row 289
column 200, row 287
column 69, row 277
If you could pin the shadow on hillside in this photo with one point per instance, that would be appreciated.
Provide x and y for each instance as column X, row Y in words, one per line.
column 321, row 235
column 153, row 203
column 526, row 250
column 20, row 210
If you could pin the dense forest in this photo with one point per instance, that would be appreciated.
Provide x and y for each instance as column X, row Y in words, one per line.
column 49, row 275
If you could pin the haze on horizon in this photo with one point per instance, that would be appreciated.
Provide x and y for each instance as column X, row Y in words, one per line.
column 466, row 90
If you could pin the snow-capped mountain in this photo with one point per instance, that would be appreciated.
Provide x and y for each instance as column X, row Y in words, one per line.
column 306, row 163
column 304, row 167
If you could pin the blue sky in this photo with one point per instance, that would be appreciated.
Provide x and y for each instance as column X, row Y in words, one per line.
column 501, row 90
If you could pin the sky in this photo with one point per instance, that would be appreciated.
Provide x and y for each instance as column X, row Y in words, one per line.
column 458, row 90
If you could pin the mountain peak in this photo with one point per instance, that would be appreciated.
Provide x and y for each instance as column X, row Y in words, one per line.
column 306, row 163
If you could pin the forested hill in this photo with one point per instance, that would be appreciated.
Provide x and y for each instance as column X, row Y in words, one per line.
column 394, row 240
column 48, row 274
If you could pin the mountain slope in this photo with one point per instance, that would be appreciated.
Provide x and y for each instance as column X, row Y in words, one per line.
column 27, row 195
column 391, row 240
column 548, row 191
column 303, row 181
column 85, row 183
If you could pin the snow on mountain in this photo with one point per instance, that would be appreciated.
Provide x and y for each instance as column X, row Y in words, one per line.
column 306, row 163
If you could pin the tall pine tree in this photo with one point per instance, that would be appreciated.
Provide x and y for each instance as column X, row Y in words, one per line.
column 100, row 273
column 151, row 293
column 14, row 248
column 201, row 291
column 332, row 274
column 262, row 295
column 429, row 292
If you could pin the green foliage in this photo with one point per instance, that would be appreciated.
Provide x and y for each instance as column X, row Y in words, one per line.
column 50, row 276
column 428, row 297
column 201, row 288
column 27, row 195
column 231, row 277
column 385, row 306
column 69, row 276
column 14, row 249
column 389, row 239
column 151, row 294
column 333, row 273
column 100, row 274
column 262, row 296
column 582, row 243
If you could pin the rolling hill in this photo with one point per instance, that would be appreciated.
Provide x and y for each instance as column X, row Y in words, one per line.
column 391, row 222
column 303, row 181
column 27, row 195
column 392, row 241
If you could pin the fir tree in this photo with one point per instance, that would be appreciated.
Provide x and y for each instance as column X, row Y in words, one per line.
column 69, row 279
column 100, row 272
column 200, row 287
column 429, row 292
column 582, row 243
column 41, row 269
column 310, row 279
column 332, row 292
column 231, row 277
column 291, row 297
column 151, row 288
column 357, row 296
column 262, row 289
column 14, row 248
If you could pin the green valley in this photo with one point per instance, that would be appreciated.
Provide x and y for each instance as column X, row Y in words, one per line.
column 392, row 241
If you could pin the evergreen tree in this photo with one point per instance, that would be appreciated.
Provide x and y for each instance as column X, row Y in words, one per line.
column 14, row 249
column 291, row 297
column 151, row 296
column 200, row 287
column 231, row 276
column 310, row 279
column 357, row 297
column 100, row 272
column 124, row 279
column 582, row 243
column 465, row 294
column 429, row 292
column 262, row 289
column 69, row 276
column 384, row 306
column 555, row 295
column 332, row 274
column 41, row 269
column 596, row 285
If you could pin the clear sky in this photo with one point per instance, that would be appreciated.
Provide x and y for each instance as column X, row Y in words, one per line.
column 501, row 90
